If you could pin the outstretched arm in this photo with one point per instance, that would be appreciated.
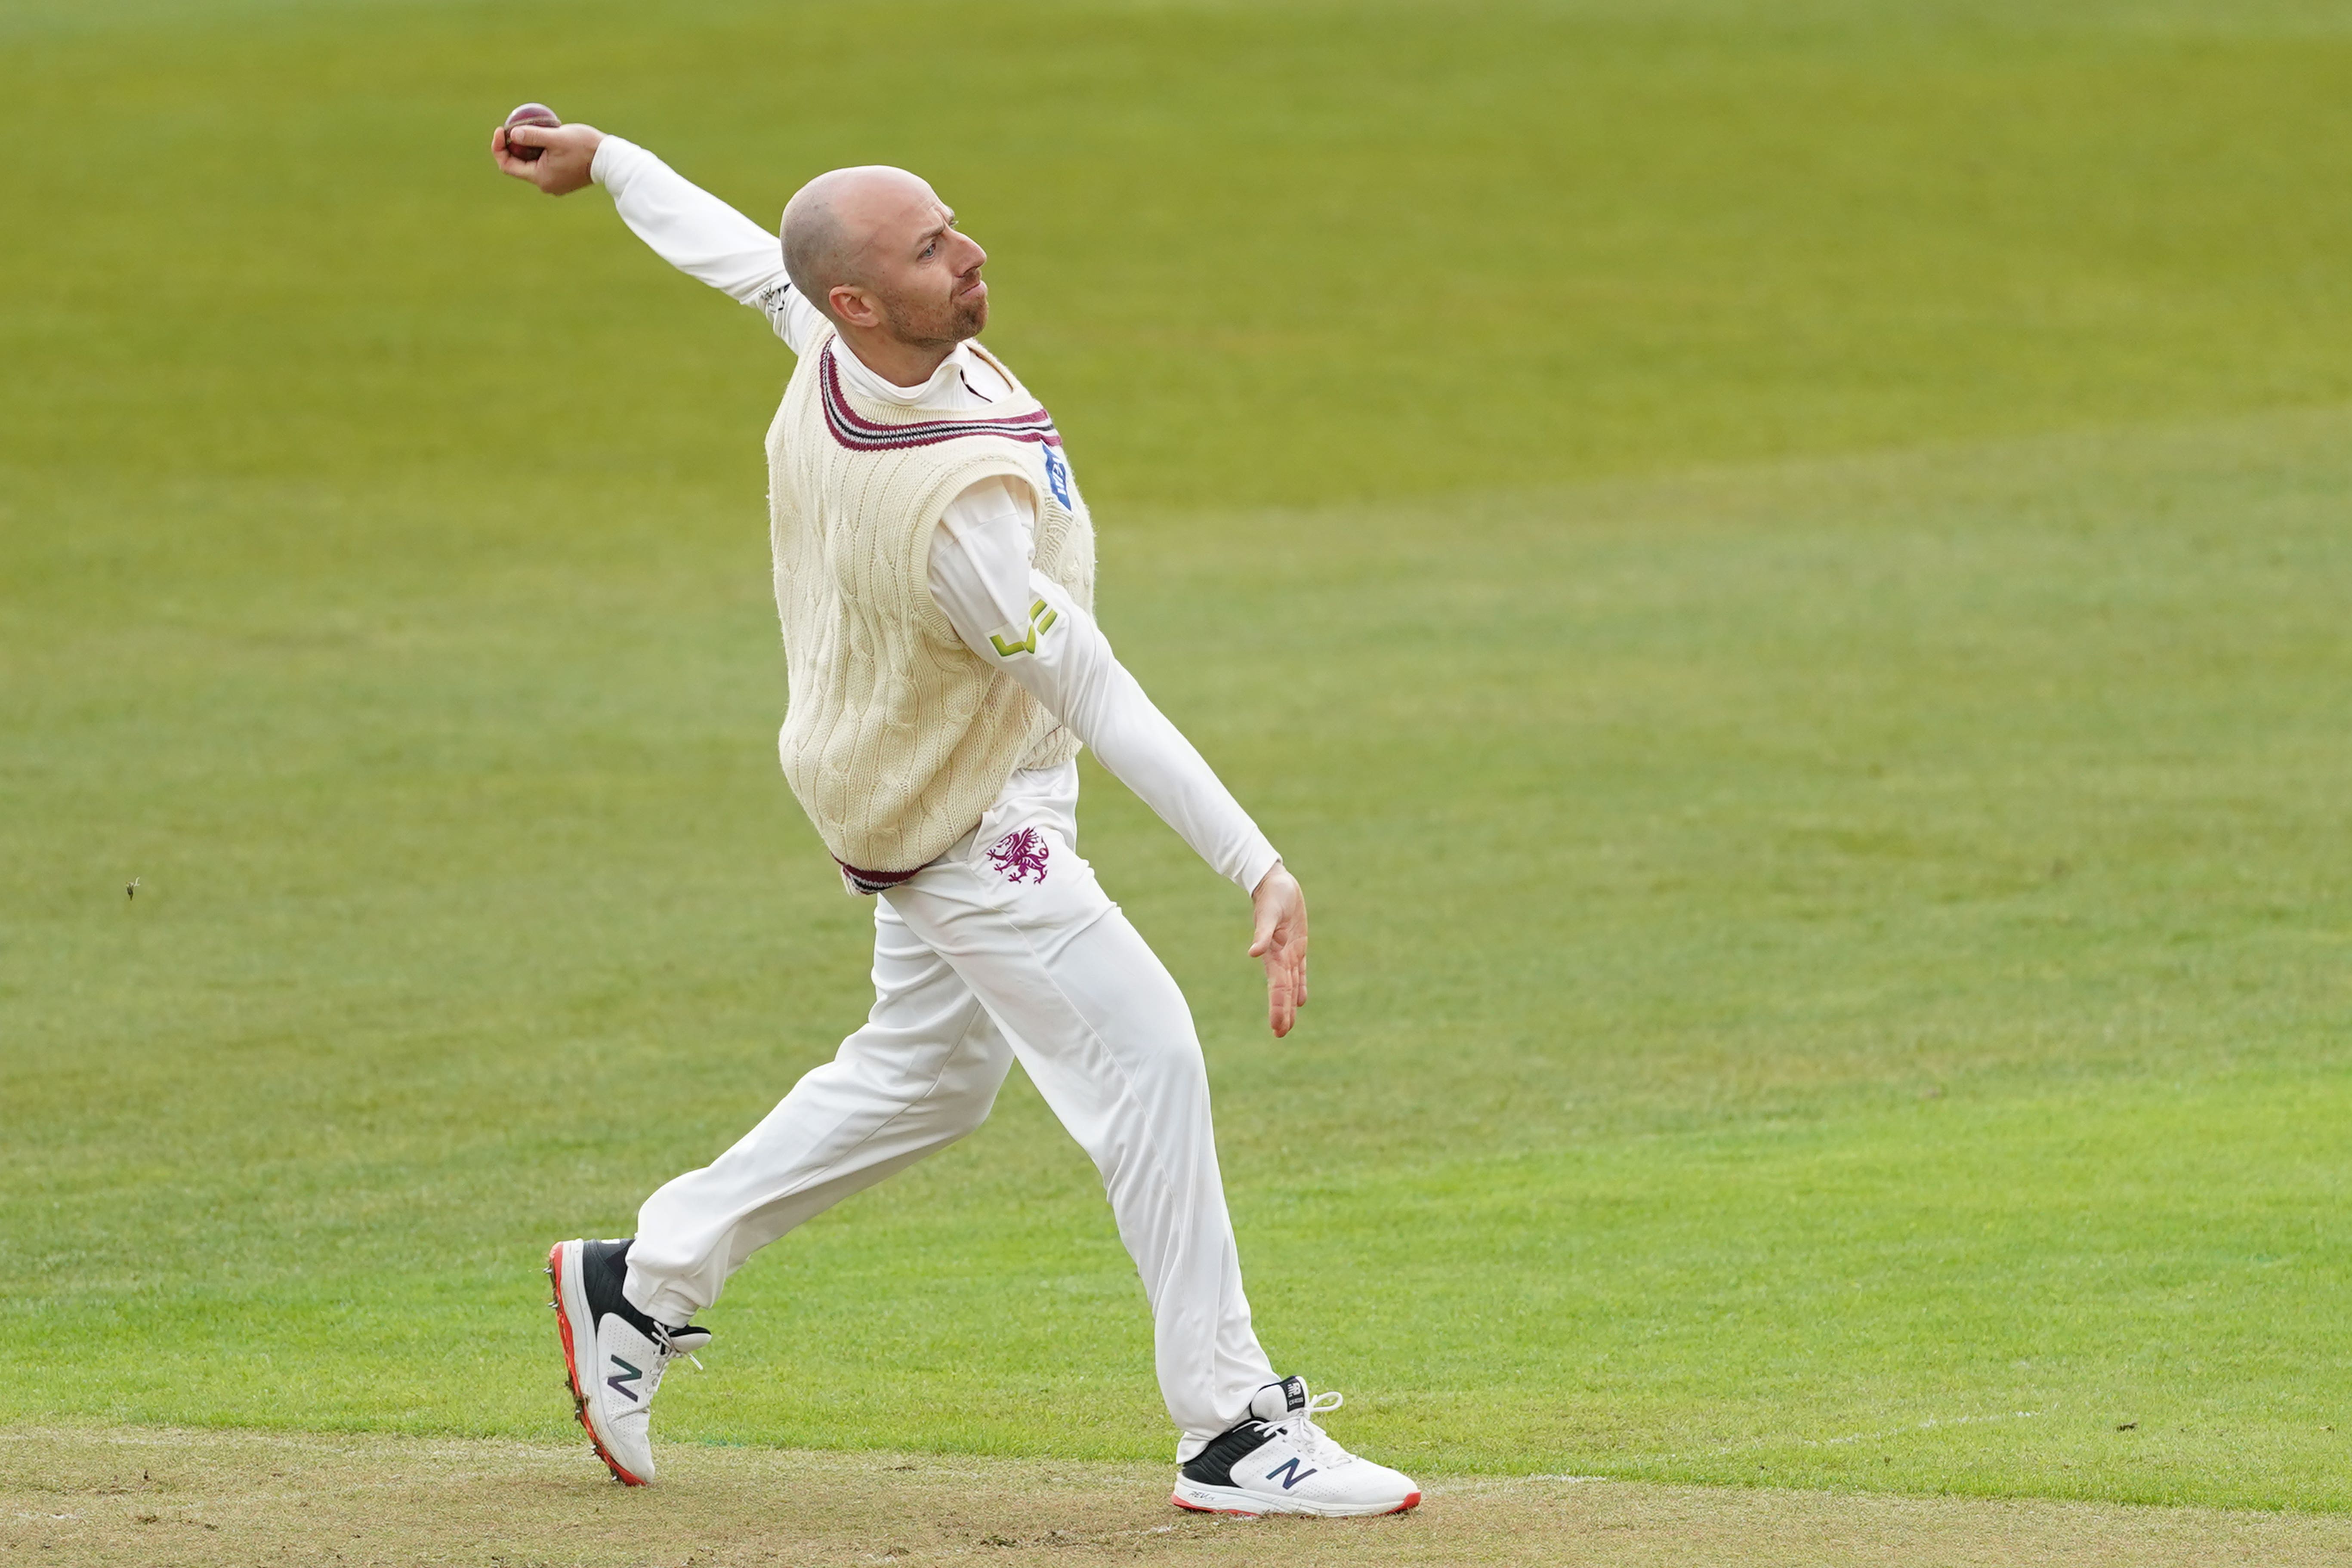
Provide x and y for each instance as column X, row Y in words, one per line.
column 686, row 225
column 1013, row 616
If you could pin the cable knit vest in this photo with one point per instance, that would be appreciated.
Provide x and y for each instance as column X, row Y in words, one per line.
column 896, row 737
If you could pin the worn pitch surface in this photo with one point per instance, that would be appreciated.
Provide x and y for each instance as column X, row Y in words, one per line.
column 70, row 1497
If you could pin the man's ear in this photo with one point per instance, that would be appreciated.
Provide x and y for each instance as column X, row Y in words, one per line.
column 852, row 307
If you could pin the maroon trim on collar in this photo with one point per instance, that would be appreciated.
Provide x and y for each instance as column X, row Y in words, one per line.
column 859, row 434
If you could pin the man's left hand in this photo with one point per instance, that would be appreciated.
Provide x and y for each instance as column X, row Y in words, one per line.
column 1280, row 906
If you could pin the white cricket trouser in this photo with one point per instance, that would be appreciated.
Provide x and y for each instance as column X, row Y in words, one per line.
column 979, row 959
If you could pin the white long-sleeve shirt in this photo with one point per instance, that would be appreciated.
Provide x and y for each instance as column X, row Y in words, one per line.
column 982, row 573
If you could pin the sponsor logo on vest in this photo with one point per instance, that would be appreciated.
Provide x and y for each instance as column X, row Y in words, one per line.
column 1295, row 1476
column 1057, row 474
column 626, row 1374
column 1020, row 856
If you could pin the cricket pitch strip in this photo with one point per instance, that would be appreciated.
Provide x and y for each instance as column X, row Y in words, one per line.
column 82, row 1494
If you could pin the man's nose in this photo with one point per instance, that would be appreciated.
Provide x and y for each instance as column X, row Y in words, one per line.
column 977, row 254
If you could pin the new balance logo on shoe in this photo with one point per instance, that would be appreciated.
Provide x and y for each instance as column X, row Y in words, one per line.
column 601, row 1330
column 1279, row 1460
column 1290, row 1472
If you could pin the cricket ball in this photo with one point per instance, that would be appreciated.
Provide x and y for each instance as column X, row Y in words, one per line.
column 530, row 114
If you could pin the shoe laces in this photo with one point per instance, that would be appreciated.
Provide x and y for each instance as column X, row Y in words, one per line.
column 669, row 1350
column 1311, row 1439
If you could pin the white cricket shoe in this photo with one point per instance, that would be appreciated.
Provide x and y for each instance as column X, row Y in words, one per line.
column 613, row 1355
column 1279, row 1461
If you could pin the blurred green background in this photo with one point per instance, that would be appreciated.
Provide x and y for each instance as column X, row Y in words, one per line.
column 1779, row 571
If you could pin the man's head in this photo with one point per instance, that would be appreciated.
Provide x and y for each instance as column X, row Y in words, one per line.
column 874, row 248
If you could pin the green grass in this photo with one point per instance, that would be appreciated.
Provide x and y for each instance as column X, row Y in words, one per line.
column 1778, row 571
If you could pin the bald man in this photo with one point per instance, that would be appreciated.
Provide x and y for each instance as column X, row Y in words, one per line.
column 934, row 577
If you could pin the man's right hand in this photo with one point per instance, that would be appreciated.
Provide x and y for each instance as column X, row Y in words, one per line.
column 566, row 154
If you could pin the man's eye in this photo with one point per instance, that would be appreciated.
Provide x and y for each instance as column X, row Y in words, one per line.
column 931, row 251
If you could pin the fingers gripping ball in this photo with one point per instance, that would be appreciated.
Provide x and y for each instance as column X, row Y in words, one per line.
column 530, row 114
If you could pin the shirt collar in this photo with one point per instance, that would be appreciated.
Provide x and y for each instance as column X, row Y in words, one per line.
column 945, row 389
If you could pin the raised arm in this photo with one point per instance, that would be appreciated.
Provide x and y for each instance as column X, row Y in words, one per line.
column 1011, row 615
column 685, row 225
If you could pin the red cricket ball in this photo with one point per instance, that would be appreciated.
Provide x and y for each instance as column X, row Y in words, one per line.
column 530, row 114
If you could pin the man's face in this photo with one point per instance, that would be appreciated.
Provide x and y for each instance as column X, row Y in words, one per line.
column 924, row 271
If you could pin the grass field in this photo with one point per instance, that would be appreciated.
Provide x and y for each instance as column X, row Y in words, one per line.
column 1778, row 572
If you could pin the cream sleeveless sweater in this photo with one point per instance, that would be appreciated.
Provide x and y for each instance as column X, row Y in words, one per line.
column 896, row 737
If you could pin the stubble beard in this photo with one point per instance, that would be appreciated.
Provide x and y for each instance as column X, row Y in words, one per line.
column 936, row 329
column 969, row 319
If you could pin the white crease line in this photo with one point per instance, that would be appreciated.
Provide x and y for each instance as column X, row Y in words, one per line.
column 1480, row 1486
